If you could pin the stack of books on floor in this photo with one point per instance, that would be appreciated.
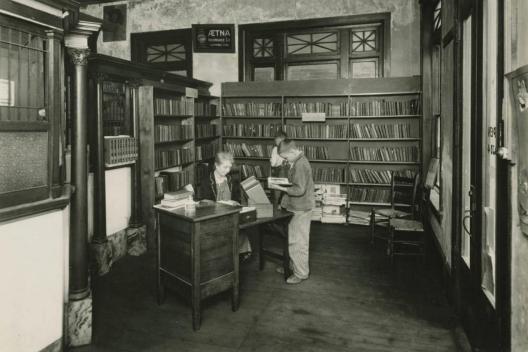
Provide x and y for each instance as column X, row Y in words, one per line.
column 178, row 199
column 317, row 211
column 333, row 210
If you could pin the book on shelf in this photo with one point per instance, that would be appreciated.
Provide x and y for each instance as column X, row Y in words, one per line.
column 202, row 171
column 400, row 154
column 294, row 109
column 181, row 106
column 113, row 106
column 252, row 109
column 204, row 109
column 172, row 180
column 172, row 157
column 120, row 149
column 366, row 131
column 249, row 150
column 204, row 130
column 315, row 151
column 317, row 131
column 385, row 107
column 206, row 151
column 370, row 195
column 251, row 130
column 377, row 176
column 253, row 170
column 328, row 174
column 172, row 132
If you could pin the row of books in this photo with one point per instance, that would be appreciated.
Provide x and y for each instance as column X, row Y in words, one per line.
column 398, row 130
column 205, row 130
column 254, row 170
column 172, row 157
column 206, row 151
column 204, row 109
column 174, row 106
column 329, row 174
column 120, row 149
column 330, row 109
column 249, row 150
column 167, row 133
column 376, row 176
column 171, row 180
column 316, row 131
column 251, row 130
column 404, row 154
column 384, row 107
column 315, row 152
column 113, row 108
column 252, row 109
column 370, row 195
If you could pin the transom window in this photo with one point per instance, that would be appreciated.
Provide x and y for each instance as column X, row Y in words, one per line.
column 312, row 43
column 166, row 53
column 165, row 50
column 340, row 47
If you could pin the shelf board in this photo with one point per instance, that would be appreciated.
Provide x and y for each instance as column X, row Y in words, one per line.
column 252, row 137
column 350, row 202
column 329, row 183
column 327, row 117
column 116, row 165
column 319, row 139
column 174, row 116
column 206, row 138
column 174, row 141
column 384, row 162
column 207, row 116
column 361, row 117
column 328, row 161
column 386, row 139
column 174, row 165
column 252, row 117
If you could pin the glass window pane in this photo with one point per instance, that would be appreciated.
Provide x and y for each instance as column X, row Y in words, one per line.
column 264, row 74
column 312, row 71
column 363, row 40
column 364, row 68
column 312, row 43
column 262, row 47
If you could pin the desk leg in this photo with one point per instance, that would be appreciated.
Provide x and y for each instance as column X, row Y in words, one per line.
column 161, row 286
column 261, row 249
column 196, row 316
column 236, row 276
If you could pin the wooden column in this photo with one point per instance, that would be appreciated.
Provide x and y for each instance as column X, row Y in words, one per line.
column 79, row 202
column 99, row 235
column 135, row 218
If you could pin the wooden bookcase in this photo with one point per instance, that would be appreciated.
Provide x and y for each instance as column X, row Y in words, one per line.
column 372, row 128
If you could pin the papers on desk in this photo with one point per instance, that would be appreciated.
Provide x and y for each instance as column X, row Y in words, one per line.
column 247, row 209
column 228, row 202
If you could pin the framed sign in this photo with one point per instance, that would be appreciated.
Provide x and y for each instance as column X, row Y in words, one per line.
column 213, row 38
column 114, row 23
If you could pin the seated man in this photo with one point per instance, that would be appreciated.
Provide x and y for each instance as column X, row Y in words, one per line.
column 219, row 185
column 298, row 199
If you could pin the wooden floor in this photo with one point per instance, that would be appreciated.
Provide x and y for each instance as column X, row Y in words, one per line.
column 353, row 301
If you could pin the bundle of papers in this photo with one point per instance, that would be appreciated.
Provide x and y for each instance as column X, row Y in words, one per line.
column 176, row 199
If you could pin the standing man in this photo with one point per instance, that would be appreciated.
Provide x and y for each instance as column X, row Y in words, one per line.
column 299, row 199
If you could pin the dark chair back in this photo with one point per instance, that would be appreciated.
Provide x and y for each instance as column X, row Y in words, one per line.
column 404, row 192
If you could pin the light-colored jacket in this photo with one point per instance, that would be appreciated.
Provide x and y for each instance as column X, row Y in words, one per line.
column 276, row 160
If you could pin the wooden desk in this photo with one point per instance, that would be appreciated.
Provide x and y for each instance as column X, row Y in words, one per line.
column 198, row 253
column 277, row 226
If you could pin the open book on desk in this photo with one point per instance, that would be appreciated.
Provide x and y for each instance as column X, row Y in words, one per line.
column 279, row 181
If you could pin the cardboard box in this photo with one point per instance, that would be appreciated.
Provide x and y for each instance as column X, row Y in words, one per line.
column 263, row 210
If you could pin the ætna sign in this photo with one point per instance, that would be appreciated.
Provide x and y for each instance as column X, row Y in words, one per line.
column 213, row 38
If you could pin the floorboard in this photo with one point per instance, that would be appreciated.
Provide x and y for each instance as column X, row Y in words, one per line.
column 353, row 301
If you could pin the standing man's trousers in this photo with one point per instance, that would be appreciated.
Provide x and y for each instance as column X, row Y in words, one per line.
column 299, row 242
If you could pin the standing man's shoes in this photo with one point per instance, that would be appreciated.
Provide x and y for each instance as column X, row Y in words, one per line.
column 293, row 280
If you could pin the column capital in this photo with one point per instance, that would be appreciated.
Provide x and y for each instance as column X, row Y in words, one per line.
column 79, row 56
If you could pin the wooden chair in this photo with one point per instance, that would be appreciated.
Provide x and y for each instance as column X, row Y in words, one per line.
column 404, row 205
column 406, row 236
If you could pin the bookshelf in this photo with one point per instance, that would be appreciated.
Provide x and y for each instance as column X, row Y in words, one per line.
column 372, row 127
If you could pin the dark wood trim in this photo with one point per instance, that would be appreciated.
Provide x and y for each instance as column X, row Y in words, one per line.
column 278, row 30
column 21, row 126
column 37, row 207
column 30, row 14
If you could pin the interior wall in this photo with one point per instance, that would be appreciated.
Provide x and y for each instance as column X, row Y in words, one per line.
column 154, row 15
column 33, row 272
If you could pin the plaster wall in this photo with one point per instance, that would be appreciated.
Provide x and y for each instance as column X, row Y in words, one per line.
column 155, row 15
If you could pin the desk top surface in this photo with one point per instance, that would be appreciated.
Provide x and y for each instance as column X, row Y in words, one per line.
column 278, row 214
column 209, row 210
